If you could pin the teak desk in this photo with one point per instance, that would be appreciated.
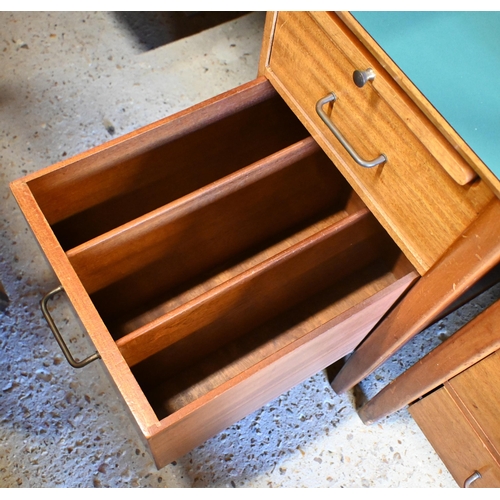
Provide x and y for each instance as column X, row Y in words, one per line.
column 222, row 255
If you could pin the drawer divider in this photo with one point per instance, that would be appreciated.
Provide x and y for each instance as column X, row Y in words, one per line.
column 261, row 292
column 163, row 232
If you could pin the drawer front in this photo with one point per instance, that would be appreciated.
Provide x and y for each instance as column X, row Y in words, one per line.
column 455, row 440
column 262, row 382
column 479, row 393
column 422, row 208
column 294, row 271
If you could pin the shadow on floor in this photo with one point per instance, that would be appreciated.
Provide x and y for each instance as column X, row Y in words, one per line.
column 154, row 29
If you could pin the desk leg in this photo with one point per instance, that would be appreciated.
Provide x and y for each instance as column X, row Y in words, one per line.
column 472, row 255
column 470, row 344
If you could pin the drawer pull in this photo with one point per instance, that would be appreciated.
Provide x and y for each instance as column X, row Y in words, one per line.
column 71, row 360
column 331, row 97
column 361, row 78
column 472, row 478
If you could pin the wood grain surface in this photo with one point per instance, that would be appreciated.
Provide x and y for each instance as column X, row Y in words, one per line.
column 144, row 170
column 219, row 275
column 158, row 257
column 419, row 204
column 263, row 291
column 224, row 218
column 455, row 440
column 196, row 380
column 281, row 368
column 478, row 393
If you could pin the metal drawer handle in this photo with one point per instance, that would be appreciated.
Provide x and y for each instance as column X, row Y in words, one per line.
column 331, row 97
column 472, row 478
column 71, row 360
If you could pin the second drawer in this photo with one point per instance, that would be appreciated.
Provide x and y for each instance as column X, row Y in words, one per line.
column 455, row 440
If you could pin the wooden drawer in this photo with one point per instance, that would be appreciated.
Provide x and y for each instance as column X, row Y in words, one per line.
column 216, row 258
column 456, row 441
column 480, row 398
column 419, row 204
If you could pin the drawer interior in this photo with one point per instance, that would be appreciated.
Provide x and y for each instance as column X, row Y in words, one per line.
column 156, row 263
column 227, row 243
column 199, row 363
column 108, row 189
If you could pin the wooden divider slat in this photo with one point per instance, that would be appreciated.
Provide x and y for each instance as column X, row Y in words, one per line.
column 257, row 294
column 212, row 133
column 214, row 223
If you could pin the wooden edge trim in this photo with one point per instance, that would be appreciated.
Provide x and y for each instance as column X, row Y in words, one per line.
column 461, row 172
column 464, row 348
column 127, row 249
column 120, row 373
column 156, row 336
column 267, row 41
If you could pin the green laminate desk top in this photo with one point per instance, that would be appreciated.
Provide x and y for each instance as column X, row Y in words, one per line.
column 454, row 60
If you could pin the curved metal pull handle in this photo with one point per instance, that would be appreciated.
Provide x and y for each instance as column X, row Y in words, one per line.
column 71, row 360
column 472, row 478
column 331, row 97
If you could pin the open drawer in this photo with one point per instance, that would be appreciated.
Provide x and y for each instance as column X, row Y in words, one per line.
column 216, row 258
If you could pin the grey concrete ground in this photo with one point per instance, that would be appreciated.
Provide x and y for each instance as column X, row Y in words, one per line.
column 68, row 82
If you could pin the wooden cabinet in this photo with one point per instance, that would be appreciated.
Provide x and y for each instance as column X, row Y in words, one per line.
column 222, row 255
column 461, row 422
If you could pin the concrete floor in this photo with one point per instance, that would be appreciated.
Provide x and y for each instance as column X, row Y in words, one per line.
column 71, row 81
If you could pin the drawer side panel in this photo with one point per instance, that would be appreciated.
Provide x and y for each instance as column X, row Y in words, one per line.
column 197, row 422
